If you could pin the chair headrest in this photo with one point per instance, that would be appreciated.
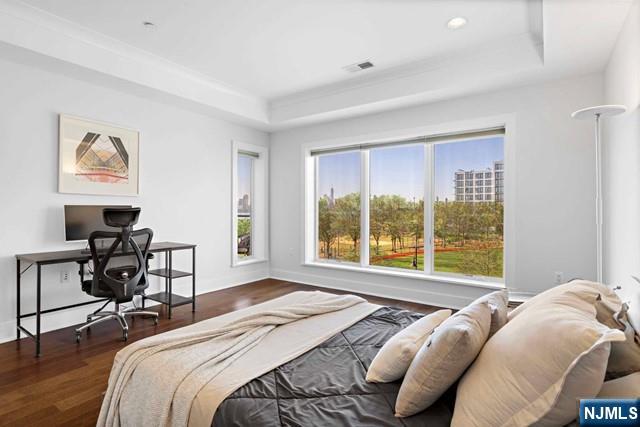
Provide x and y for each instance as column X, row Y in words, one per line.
column 120, row 217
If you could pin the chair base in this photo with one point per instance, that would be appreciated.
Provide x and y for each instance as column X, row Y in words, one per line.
column 119, row 314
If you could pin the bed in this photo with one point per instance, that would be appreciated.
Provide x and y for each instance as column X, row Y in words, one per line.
column 326, row 386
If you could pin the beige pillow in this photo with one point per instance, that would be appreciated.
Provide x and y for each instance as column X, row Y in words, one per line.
column 625, row 355
column 627, row 387
column 611, row 311
column 609, row 300
column 395, row 356
column 538, row 365
column 499, row 304
column 443, row 358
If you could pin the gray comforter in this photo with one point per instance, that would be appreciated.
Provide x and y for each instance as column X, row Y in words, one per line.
column 326, row 386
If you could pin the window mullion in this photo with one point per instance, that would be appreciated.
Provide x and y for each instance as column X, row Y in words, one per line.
column 364, row 208
column 428, row 208
column 234, row 206
column 314, row 206
column 252, row 216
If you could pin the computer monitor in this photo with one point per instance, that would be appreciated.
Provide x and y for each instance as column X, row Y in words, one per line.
column 81, row 220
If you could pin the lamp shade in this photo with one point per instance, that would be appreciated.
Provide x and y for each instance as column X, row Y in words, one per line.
column 599, row 110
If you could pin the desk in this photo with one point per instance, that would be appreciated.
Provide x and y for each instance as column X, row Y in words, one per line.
column 60, row 257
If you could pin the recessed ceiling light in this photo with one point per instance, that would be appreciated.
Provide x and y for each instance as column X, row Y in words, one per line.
column 456, row 23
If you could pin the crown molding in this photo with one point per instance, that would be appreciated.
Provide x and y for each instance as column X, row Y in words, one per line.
column 71, row 48
column 472, row 70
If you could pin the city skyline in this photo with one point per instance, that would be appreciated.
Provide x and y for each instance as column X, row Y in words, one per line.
column 245, row 164
column 399, row 170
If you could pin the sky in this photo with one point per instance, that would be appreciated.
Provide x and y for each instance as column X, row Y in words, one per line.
column 244, row 175
column 399, row 170
column 467, row 155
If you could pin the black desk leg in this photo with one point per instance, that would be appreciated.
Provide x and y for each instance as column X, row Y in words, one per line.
column 18, row 267
column 166, row 269
column 170, row 273
column 39, row 291
column 193, row 279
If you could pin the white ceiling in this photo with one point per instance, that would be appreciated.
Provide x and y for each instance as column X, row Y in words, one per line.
column 274, row 48
column 278, row 63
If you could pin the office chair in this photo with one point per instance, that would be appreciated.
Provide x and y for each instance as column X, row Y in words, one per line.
column 118, row 283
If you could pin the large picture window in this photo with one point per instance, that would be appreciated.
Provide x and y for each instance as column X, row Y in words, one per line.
column 338, row 206
column 432, row 205
column 468, row 234
column 249, row 203
column 396, row 206
column 245, row 184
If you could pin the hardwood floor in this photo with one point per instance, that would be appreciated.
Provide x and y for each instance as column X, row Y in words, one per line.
column 65, row 385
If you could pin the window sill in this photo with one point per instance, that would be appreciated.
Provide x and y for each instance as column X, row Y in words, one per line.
column 409, row 275
column 248, row 261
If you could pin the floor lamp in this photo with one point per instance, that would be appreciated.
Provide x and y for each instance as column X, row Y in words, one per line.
column 597, row 113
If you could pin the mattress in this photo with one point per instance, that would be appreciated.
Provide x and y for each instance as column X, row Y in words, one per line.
column 326, row 386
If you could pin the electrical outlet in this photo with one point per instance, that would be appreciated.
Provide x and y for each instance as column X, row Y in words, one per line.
column 558, row 278
column 64, row 276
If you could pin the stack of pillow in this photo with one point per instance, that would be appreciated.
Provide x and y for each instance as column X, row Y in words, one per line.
column 529, row 366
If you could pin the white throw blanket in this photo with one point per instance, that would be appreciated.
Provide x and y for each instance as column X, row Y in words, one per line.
column 154, row 381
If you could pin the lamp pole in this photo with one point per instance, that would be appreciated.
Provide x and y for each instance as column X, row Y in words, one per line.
column 598, row 200
column 589, row 113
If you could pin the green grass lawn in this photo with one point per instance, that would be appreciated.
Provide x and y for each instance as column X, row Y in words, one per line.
column 402, row 262
column 444, row 262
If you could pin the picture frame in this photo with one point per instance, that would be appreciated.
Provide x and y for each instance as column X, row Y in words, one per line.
column 98, row 158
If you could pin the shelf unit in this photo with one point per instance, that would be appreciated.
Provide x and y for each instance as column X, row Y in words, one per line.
column 167, row 297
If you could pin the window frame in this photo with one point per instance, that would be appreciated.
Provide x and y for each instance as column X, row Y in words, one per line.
column 259, row 203
column 309, row 223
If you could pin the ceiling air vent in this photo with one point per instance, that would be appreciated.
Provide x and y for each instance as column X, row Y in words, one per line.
column 358, row 67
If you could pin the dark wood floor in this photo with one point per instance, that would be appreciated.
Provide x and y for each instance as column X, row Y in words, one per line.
column 65, row 385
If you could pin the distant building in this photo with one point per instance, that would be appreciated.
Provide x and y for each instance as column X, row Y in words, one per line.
column 475, row 186
column 332, row 200
column 244, row 206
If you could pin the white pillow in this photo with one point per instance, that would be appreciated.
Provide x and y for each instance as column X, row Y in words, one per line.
column 633, row 293
column 627, row 387
column 395, row 356
column 609, row 302
column 625, row 355
column 538, row 365
column 634, row 312
column 443, row 358
column 499, row 304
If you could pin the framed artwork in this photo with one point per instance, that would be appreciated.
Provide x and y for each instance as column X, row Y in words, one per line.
column 97, row 158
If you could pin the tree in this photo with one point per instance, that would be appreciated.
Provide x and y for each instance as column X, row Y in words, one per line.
column 398, row 220
column 441, row 215
column 378, row 220
column 484, row 261
column 326, row 225
column 244, row 227
column 348, row 217
column 417, row 223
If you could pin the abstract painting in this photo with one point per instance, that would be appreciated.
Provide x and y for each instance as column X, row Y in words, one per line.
column 97, row 158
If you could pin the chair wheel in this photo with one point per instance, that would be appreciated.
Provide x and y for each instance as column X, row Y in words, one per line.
column 78, row 336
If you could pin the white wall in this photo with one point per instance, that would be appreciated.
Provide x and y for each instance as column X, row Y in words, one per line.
column 185, row 185
column 621, row 149
column 554, row 189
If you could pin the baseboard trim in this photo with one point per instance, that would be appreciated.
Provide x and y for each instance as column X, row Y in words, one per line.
column 399, row 293
column 66, row 318
column 520, row 297
column 74, row 316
